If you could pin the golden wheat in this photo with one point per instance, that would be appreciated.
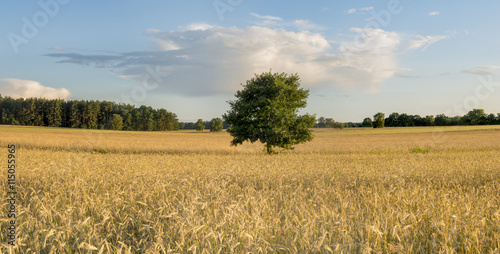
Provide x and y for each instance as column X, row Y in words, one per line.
column 428, row 190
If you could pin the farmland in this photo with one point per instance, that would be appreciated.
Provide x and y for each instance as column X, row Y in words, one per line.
column 406, row 190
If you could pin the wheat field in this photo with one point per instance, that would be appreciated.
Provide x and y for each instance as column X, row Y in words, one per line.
column 394, row 190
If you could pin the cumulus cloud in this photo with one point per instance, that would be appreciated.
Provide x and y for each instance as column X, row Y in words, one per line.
column 18, row 88
column 425, row 41
column 433, row 13
column 482, row 70
column 368, row 59
column 215, row 60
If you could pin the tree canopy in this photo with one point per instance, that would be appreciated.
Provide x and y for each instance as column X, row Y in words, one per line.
column 266, row 109
column 200, row 126
column 378, row 120
column 84, row 114
column 216, row 125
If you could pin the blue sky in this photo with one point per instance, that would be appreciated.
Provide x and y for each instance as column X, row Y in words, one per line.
column 357, row 58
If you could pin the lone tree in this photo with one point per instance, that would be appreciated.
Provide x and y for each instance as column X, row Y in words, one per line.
column 266, row 110
column 378, row 120
column 200, row 126
column 216, row 125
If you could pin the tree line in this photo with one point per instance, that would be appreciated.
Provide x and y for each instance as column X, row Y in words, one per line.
column 85, row 114
column 202, row 125
column 324, row 122
column 109, row 115
column 473, row 117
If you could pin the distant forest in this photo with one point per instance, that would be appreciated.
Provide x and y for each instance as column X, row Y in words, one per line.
column 112, row 116
column 85, row 114
column 192, row 125
column 473, row 117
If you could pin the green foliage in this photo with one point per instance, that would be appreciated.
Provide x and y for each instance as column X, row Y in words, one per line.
column 442, row 120
column 326, row 123
column 378, row 120
column 330, row 123
column 421, row 150
column 116, row 122
column 83, row 114
column 367, row 122
column 321, row 122
column 266, row 111
column 102, row 151
column 337, row 125
column 475, row 117
column 392, row 120
column 200, row 126
column 216, row 125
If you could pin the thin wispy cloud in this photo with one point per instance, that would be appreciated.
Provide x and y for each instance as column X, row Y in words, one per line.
column 424, row 42
column 482, row 70
column 275, row 22
column 266, row 17
column 303, row 24
column 434, row 13
column 362, row 10
column 366, row 8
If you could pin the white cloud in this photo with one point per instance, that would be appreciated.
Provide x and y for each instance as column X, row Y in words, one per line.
column 425, row 41
column 224, row 57
column 276, row 22
column 304, row 24
column 265, row 17
column 490, row 67
column 482, row 70
column 367, row 8
column 217, row 59
column 434, row 13
column 368, row 60
column 199, row 26
column 351, row 11
column 152, row 30
column 18, row 88
column 364, row 9
column 167, row 45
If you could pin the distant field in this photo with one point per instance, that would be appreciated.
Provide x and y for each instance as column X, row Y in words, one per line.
column 392, row 190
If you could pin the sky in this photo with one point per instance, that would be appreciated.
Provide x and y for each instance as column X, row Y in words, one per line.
column 356, row 58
